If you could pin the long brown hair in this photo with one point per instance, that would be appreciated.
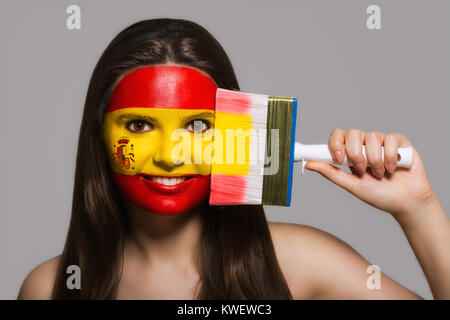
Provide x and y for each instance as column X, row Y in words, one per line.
column 237, row 257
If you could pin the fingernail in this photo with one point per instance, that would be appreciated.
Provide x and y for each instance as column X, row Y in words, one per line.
column 379, row 172
column 337, row 156
column 390, row 167
column 360, row 167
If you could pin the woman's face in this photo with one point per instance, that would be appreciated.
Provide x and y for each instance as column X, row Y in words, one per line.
column 158, row 121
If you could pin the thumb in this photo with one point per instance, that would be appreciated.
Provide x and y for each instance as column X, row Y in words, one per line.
column 336, row 175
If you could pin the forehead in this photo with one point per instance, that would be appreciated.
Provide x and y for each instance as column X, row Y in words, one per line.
column 164, row 86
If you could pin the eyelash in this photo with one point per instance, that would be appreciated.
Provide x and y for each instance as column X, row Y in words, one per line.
column 206, row 122
column 130, row 123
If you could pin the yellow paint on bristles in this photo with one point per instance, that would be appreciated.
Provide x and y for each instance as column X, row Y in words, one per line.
column 232, row 140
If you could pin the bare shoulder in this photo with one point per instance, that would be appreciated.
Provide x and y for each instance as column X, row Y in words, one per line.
column 38, row 285
column 318, row 265
column 301, row 252
column 304, row 239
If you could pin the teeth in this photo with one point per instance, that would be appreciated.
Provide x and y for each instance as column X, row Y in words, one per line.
column 168, row 181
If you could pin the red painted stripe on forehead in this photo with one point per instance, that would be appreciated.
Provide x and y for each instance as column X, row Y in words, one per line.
column 164, row 87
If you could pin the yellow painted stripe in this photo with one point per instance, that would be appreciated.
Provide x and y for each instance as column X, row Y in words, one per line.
column 232, row 140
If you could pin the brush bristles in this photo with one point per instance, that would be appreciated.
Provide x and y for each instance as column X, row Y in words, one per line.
column 261, row 113
column 251, row 112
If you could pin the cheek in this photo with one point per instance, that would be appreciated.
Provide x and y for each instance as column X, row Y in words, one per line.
column 145, row 149
column 127, row 153
column 202, row 153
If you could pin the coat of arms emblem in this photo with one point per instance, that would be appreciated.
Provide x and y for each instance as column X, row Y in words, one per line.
column 124, row 153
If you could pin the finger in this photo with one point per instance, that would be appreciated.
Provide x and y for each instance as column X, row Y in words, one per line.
column 336, row 145
column 390, row 152
column 392, row 142
column 336, row 175
column 353, row 147
column 373, row 142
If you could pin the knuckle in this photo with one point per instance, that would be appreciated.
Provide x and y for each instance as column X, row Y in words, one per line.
column 353, row 131
column 372, row 135
column 335, row 139
column 390, row 136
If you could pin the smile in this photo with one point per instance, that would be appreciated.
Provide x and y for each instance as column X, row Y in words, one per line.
column 167, row 181
column 168, row 184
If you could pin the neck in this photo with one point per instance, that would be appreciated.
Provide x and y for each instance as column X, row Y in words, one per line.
column 161, row 240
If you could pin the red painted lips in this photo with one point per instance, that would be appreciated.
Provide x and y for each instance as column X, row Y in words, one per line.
column 172, row 188
column 163, row 199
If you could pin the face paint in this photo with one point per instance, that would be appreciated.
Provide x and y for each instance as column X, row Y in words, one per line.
column 146, row 107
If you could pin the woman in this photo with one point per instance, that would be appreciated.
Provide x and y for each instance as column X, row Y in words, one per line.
column 130, row 248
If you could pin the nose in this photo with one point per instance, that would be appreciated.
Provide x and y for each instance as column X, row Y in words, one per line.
column 163, row 154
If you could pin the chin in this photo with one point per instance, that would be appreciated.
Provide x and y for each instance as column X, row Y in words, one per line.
column 163, row 200
column 169, row 208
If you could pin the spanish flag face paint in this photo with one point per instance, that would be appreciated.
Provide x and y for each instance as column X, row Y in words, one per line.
column 151, row 112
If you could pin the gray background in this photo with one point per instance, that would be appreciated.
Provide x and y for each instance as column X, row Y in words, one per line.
column 392, row 80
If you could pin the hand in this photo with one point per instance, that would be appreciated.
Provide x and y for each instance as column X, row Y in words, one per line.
column 398, row 191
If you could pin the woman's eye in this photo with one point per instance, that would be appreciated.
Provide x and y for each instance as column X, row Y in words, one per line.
column 197, row 126
column 139, row 126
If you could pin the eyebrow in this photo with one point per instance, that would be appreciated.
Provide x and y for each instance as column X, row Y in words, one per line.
column 134, row 116
column 205, row 114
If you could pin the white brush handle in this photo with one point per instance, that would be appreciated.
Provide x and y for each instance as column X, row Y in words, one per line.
column 320, row 152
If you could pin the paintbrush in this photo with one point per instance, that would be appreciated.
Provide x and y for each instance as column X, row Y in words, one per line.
column 254, row 149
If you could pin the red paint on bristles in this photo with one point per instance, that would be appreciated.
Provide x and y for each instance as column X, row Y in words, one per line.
column 227, row 189
column 233, row 101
